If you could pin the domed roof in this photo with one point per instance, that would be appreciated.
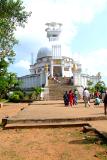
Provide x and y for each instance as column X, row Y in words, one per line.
column 44, row 52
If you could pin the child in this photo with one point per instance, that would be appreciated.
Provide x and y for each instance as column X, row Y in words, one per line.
column 97, row 101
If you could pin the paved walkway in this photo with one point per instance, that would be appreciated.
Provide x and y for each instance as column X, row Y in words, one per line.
column 100, row 125
column 57, row 110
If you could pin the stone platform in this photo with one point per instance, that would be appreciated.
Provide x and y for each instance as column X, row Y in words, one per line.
column 54, row 114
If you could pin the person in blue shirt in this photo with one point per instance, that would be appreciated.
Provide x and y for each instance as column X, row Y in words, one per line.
column 97, row 101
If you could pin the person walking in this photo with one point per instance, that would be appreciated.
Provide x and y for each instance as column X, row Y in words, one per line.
column 105, row 104
column 66, row 98
column 71, row 97
column 75, row 97
column 86, row 97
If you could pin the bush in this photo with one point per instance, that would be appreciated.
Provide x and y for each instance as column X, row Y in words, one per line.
column 37, row 92
column 14, row 98
column 20, row 93
column 17, row 96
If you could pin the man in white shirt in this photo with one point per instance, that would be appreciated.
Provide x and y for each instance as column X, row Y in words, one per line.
column 86, row 97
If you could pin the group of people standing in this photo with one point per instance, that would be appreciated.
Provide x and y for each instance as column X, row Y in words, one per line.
column 70, row 98
column 99, row 97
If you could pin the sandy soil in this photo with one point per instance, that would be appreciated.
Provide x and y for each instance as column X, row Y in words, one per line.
column 47, row 144
column 11, row 109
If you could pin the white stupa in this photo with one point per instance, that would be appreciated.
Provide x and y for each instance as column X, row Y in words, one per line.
column 55, row 54
column 58, row 59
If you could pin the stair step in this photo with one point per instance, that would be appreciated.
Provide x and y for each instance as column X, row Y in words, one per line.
column 58, row 88
column 40, row 125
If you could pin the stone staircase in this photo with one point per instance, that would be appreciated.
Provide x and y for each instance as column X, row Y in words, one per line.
column 37, row 123
column 57, row 87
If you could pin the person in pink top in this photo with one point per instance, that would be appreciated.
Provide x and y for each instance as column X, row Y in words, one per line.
column 71, row 97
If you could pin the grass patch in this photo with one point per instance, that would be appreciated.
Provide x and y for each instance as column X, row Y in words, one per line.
column 3, row 100
column 102, row 155
column 91, row 140
column 104, row 145
column 76, row 134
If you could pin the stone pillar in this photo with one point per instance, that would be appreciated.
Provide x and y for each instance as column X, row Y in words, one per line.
column 62, row 71
column 76, row 75
column 75, row 81
column 46, row 74
column 41, row 78
column 51, row 68
column 62, row 66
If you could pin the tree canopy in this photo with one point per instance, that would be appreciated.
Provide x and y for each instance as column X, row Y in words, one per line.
column 99, row 86
column 12, row 15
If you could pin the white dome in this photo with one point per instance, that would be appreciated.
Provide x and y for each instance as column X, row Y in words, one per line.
column 44, row 52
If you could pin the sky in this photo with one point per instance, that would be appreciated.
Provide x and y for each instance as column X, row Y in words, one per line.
column 84, row 33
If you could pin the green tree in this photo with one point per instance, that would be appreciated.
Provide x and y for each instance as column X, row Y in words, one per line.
column 100, row 86
column 12, row 15
column 91, row 87
column 8, row 82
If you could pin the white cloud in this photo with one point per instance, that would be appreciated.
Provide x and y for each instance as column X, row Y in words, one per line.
column 95, row 62
column 23, row 64
column 70, row 13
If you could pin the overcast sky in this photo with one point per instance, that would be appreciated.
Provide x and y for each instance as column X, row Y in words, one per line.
column 84, row 33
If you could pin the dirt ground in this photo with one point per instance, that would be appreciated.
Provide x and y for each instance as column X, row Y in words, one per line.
column 48, row 144
column 11, row 109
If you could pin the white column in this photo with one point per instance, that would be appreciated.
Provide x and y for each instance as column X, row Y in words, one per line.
column 62, row 71
column 41, row 78
column 62, row 66
column 46, row 74
column 77, row 78
column 51, row 68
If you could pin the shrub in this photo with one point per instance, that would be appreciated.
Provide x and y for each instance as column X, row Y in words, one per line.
column 20, row 93
column 14, row 98
column 17, row 96
column 37, row 92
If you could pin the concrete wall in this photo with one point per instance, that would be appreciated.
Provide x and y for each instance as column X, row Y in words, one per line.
column 31, row 81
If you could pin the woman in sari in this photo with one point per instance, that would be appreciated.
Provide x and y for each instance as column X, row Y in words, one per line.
column 71, row 98
column 66, row 98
